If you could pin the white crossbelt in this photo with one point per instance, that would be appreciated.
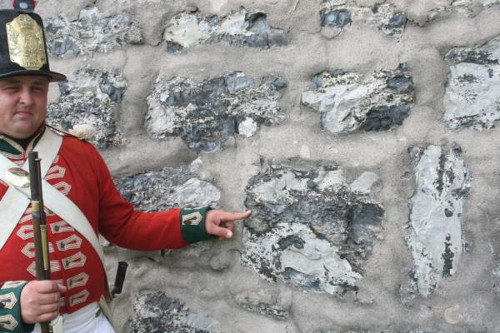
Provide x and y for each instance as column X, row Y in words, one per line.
column 16, row 200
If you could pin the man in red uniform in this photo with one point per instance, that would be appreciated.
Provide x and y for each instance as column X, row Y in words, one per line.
column 81, row 200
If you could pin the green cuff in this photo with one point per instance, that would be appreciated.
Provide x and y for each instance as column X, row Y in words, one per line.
column 10, row 308
column 193, row 225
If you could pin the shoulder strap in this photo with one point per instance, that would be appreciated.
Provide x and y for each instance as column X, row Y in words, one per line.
column 13, row 205
column 53, row 199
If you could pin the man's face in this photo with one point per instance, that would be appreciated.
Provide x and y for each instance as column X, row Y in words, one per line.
column 23, row 105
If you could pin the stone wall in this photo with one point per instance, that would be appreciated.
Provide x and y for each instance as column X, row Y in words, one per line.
column 361, row 133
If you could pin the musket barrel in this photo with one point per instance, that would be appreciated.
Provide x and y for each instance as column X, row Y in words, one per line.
column 39, row 225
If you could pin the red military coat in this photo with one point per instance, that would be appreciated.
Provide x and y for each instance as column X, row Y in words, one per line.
column 80, row 173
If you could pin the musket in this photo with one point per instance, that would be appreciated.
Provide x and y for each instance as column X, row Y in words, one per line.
column 39, row 225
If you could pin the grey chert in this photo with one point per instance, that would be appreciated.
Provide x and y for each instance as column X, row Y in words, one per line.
column 342, row 14
column 349, row 102
column 243, row 28
column 309, row 229
column 154, row 311
column 90, row 97
column 167, row 188
column 91, row 33
column 472, row 96
column 206, row 114
column 435, row 233
column 336, row 18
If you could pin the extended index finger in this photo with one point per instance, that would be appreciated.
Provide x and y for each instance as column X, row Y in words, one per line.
column 229, row 217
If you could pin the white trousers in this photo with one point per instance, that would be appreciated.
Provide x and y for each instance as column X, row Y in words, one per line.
column 86, row 320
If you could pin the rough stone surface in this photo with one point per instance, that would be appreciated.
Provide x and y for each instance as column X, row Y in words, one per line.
column 271, row 305
column 242, row 28
column 434, row 237
column 467, row 8
column 92, row 32
column 350, row 102
column 309, row 229
column 167, row 188
column 155, row 312
column 472, row 97
column 90, row 98
column 206, row 114
column 342, row 14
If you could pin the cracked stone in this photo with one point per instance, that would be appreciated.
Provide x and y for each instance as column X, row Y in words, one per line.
column 167, row 188
column 350, row 102
column 88, row 102
column 91, row 33
column 242, row 29
column 155, row 311
column 342, row 14
column 472, row 95
column 443, row 182
column 308, row 229
column 205, row 115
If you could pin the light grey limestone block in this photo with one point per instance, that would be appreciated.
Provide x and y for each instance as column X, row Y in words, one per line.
column 340, row 15
column 205, row 115
column 168, row 188
column 434, row 235
column 350, row 102
column 155, row 311
column 472, row 96
column 92, row 32
column 242, row 28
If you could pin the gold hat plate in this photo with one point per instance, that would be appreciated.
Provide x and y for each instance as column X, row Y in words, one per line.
column 26, row 44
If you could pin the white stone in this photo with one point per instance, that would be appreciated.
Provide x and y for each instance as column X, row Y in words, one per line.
column 328, row 179
column 196, row 192
column 247, row 127
column 431, row 228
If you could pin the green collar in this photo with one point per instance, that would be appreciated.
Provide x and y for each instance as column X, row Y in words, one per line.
column 11, row 148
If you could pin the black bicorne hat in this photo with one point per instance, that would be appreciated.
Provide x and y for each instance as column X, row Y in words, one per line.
column 23, row 50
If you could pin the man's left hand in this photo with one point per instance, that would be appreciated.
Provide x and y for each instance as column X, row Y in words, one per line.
column 220, row 223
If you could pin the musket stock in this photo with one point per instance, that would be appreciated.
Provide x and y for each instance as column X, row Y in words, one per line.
column 39, row 225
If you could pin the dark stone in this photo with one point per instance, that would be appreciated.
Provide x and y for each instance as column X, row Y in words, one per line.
column 149, row 191
column 115, row 93
column 300, row 280
column 401, row 84
column 383, row 117
column 480, row 57
column 173, row 47
column 217, row 107
column 447, row 258
column 235, row 82
column 206, row 135
column 337, row 215
column 257, row 23
column 160, row 313
column 467, row 78
column 336, row 18
column 60, row 48
column 256, row 40
column 293, row 240
column 275, row 81
column 398, row 21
